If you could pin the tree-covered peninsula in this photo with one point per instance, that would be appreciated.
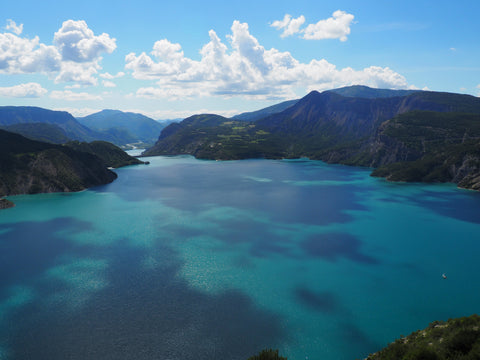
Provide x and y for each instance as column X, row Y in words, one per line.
column 29, row 167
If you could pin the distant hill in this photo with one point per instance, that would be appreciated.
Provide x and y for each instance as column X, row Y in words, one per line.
column 259, row 114
column 29, row 166
column 185, row 137
column 351, row 130
column 73, row 130
column 39, row 131
column 126, row 127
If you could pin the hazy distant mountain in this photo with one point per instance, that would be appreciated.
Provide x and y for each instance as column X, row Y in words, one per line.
column 39, row 131
column 259, row 114
column 14, row 115
column 126, row 127
column 367, row 130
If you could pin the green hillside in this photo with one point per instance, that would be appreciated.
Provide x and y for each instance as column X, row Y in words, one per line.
column 455, row 339
column 420, row 136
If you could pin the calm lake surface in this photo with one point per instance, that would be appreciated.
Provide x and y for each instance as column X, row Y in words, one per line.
column 187, row 259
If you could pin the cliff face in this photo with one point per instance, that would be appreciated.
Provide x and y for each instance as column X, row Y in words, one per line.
column 429, row 147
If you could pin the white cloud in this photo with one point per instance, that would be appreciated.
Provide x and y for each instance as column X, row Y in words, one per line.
column 28, row 90
column 290, row 26
column 73, row 96
column 245, row 69
column 21, row 55
column 77, row 42
column 13, row 27
column 78, row 112
column 182, row 114
column 108, row 84
column 79, row 73
column 335, row 27
column 109, row 76
column 75, row 57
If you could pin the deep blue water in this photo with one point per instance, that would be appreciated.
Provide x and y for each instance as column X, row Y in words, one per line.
column 188, row 259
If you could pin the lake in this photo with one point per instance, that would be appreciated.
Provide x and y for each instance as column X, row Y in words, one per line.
column 190, row 259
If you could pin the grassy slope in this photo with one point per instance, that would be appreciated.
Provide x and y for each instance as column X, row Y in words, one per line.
column 455, row 339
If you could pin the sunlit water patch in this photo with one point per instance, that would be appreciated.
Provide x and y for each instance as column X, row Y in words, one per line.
column 189, row 259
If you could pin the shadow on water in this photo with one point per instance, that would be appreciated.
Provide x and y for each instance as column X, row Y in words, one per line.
column 324, row 302
column 147, row 313
column 461, row 205
column 327, row 303
column 333, row 246
column 29, row 248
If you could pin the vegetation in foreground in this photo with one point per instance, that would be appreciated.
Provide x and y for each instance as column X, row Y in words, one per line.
column 455, row 339
column 267, row 354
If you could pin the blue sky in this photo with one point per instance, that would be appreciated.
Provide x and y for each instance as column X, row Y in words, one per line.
column 178, row 58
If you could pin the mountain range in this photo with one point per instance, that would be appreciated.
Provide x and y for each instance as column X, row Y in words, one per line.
column 406, row 135
column 123, row 129
column 126, row 127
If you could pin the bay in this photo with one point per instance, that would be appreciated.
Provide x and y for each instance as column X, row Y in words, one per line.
column 191, row 259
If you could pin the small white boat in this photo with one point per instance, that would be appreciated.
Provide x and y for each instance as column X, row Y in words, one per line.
column 444, row 276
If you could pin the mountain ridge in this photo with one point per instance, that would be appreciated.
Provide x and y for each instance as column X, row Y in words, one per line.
column 136, row 128
column 340, row 129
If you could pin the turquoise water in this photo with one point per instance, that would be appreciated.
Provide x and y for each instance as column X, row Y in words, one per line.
column 188, row 259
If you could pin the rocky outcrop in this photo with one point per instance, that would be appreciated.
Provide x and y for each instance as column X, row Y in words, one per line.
column 5, row 204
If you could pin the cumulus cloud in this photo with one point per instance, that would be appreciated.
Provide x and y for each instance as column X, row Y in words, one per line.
column 245, row 68
column 78, row 112
column 74, row 57
column 13, row 27
column 28, row 90
column 335, row 27
column 109, row 76
column 108, row 84
column 73, row 96
column 290, row 26
column 21, row 55
column 78, row 43
column 79, row 73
